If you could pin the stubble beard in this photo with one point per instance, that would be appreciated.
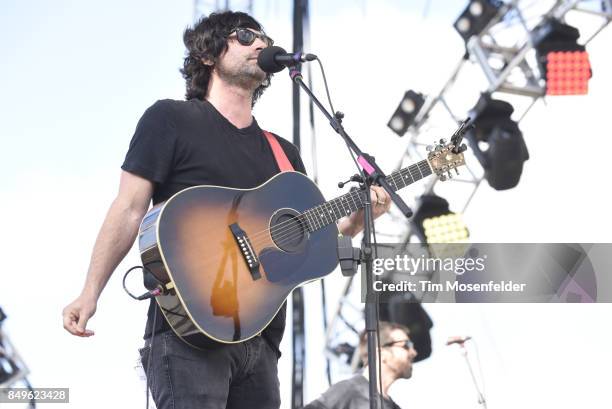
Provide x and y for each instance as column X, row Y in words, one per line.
column 247, row 75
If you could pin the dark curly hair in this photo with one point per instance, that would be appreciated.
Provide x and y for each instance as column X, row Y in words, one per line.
column 208, row 40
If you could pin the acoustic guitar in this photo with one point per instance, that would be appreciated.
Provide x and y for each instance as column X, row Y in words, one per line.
column 230, row 257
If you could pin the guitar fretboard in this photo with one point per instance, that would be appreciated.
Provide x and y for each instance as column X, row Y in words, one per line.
column 329, row 212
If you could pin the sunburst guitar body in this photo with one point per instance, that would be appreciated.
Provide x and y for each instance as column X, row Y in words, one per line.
column 230, row 257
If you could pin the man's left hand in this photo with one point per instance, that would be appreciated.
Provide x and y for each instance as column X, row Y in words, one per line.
column 381, row 203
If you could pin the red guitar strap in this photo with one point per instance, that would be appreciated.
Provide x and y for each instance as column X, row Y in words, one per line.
column 279, row 154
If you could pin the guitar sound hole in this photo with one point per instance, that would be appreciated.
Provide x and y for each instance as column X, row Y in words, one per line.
column 288, row 230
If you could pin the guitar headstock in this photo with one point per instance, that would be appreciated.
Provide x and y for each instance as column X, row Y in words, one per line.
column 445, row 157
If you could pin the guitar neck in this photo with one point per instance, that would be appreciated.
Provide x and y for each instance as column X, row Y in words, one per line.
column 329, row 212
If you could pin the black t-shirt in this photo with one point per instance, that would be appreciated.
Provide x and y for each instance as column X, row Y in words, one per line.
column 179, row 144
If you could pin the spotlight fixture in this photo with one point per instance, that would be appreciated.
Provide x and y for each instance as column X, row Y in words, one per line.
column 406, row 112
column 497, row 142
column 563, row 62
column 476, row 16
column 435, row 223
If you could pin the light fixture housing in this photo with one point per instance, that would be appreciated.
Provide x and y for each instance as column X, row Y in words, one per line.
column 406, row 112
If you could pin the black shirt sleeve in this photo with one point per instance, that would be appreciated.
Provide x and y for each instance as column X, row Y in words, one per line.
column 151, row 151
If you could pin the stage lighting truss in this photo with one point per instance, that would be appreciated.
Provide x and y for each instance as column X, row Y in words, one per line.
column 503, row 44
column 511, row 69
column 13, row 369
column 342, row 337
column 436, row 226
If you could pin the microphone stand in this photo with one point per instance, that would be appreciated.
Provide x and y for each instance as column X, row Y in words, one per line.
column 375, row 175
column 481, row 398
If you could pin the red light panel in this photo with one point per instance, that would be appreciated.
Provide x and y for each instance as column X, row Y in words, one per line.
column 567, row 73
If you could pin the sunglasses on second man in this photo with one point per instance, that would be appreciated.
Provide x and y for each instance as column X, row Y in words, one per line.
column 247, row 37
column 405, row 343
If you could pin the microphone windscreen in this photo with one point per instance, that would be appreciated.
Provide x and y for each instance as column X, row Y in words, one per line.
column 266, row 62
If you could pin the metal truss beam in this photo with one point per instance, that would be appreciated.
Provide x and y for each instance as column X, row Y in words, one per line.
column 518, row 76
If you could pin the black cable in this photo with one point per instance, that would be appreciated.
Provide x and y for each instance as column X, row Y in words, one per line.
column 313, row 134
column 145, row 269
column 125, row 276
column 174, row 313
column 161, row 287
column 326, row 87
column 337, row 118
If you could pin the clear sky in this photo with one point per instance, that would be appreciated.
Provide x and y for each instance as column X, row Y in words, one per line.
column 76, row 76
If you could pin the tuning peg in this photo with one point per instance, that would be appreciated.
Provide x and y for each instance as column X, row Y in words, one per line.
column 429, row 148
column 457, row 170
column 442, row 177
column 442, row 141
column 450, row 175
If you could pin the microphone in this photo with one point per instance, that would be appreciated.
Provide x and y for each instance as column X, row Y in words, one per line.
column 458, row 340
column 275, row 59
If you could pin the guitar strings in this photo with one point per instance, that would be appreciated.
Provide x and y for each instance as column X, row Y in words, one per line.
column 324, row 222
column 293, row 228
column 285, row 226
column 290, row 228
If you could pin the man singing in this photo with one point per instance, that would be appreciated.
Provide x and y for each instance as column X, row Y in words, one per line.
column 211, row 138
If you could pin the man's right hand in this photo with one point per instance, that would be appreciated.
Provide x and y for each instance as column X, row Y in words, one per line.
column 77, row 313
column 115, row 239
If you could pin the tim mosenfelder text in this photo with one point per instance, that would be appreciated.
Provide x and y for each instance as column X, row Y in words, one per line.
column 458, row 266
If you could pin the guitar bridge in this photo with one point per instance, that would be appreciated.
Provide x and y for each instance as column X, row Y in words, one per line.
column 246, row 249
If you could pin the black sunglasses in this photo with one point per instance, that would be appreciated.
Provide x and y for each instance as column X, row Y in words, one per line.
column 247, row 37
column 406, row 344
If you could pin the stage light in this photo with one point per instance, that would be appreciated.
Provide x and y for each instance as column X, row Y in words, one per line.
column 476, row 16
column 447, row 228
column 563, row 62
column 497, row 142
column 406, row 112
column 435, row 223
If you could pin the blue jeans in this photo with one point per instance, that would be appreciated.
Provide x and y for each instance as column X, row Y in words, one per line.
column 231, row 376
